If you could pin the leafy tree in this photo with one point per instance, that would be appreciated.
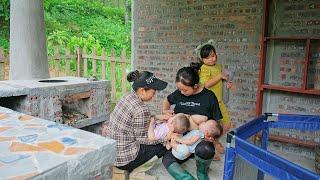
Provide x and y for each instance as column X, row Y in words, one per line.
column 81, row 23
column 86, row 23
column 4, row 23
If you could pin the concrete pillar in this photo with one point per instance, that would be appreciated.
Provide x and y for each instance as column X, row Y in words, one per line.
column 28, row 50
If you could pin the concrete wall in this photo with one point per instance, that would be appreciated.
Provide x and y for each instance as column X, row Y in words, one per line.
column 165, row 34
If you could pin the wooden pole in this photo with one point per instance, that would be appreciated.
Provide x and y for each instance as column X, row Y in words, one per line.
column 68, row 58
column 56, row 62
column 123, row 71
column 113, row 75
column 79, row 57
column 85, row 62
column 103, row 67
column 94, row 62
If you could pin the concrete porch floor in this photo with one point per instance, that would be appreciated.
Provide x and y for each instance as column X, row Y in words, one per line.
column 216, row 167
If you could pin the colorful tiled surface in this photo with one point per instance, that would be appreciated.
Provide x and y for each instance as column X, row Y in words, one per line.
column 33, row 147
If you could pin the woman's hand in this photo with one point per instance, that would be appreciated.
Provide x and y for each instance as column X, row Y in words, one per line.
column 169, row 113
column 176, row 137
column 162, row 117
column 152, row 121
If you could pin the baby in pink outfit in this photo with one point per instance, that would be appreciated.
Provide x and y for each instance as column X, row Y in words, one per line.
column 178, row 124
column 174, row 126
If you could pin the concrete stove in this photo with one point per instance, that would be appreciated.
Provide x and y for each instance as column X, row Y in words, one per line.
column 68, row 100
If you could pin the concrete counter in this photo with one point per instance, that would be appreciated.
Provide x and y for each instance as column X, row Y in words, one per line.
column 41, row 149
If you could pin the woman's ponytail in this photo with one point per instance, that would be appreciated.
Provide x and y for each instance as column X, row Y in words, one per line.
column 134, row 75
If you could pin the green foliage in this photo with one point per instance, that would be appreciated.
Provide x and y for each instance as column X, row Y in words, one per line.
column 4, row 10
column 86, row 23
column 77, row 23
column 4, row 23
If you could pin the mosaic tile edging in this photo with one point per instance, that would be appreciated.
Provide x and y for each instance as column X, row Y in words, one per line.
column 45, row 145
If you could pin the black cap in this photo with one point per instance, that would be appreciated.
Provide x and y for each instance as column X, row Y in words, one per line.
column 149, row 81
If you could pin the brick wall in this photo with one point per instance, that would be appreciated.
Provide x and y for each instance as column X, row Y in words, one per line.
column 285, row 62
column 286, row 57
column 165, row 34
